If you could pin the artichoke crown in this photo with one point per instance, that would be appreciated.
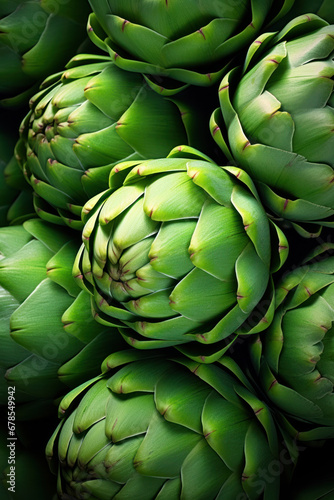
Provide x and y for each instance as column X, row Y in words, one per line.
column 166, row 248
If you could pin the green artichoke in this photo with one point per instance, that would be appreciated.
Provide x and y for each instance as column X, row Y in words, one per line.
column 166, row 429
column 49, row 340
column 294, row 358
column 88, row 118
column 189, row 41
column 179, row 250
column 37, row 37
column 278, row 117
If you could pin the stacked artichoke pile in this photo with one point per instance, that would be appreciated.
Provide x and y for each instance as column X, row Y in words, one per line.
column 166, row 249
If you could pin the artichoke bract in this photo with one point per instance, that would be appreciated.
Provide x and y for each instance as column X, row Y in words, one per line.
column 294, row 358
column 36, row 39
column 166, row 429
column 179, row 250
column 49, row 340
column 278, row 118
column 189, row 41
column 88, row 118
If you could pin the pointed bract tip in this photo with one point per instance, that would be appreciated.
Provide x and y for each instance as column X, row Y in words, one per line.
column 223, row 88
column 125, row 22
column 200, row 31
column 274, row 382
column 164, row 411
column 195, row 369
column 208, row 433
column 67, row 323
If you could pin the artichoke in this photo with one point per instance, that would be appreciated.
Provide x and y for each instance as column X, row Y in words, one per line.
column 188, row 41
column 40, row 355
column 278, row 117
column 167, row 429
column 179, row 250
column 36, row 38
column 294, row 358
column 84, row 121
